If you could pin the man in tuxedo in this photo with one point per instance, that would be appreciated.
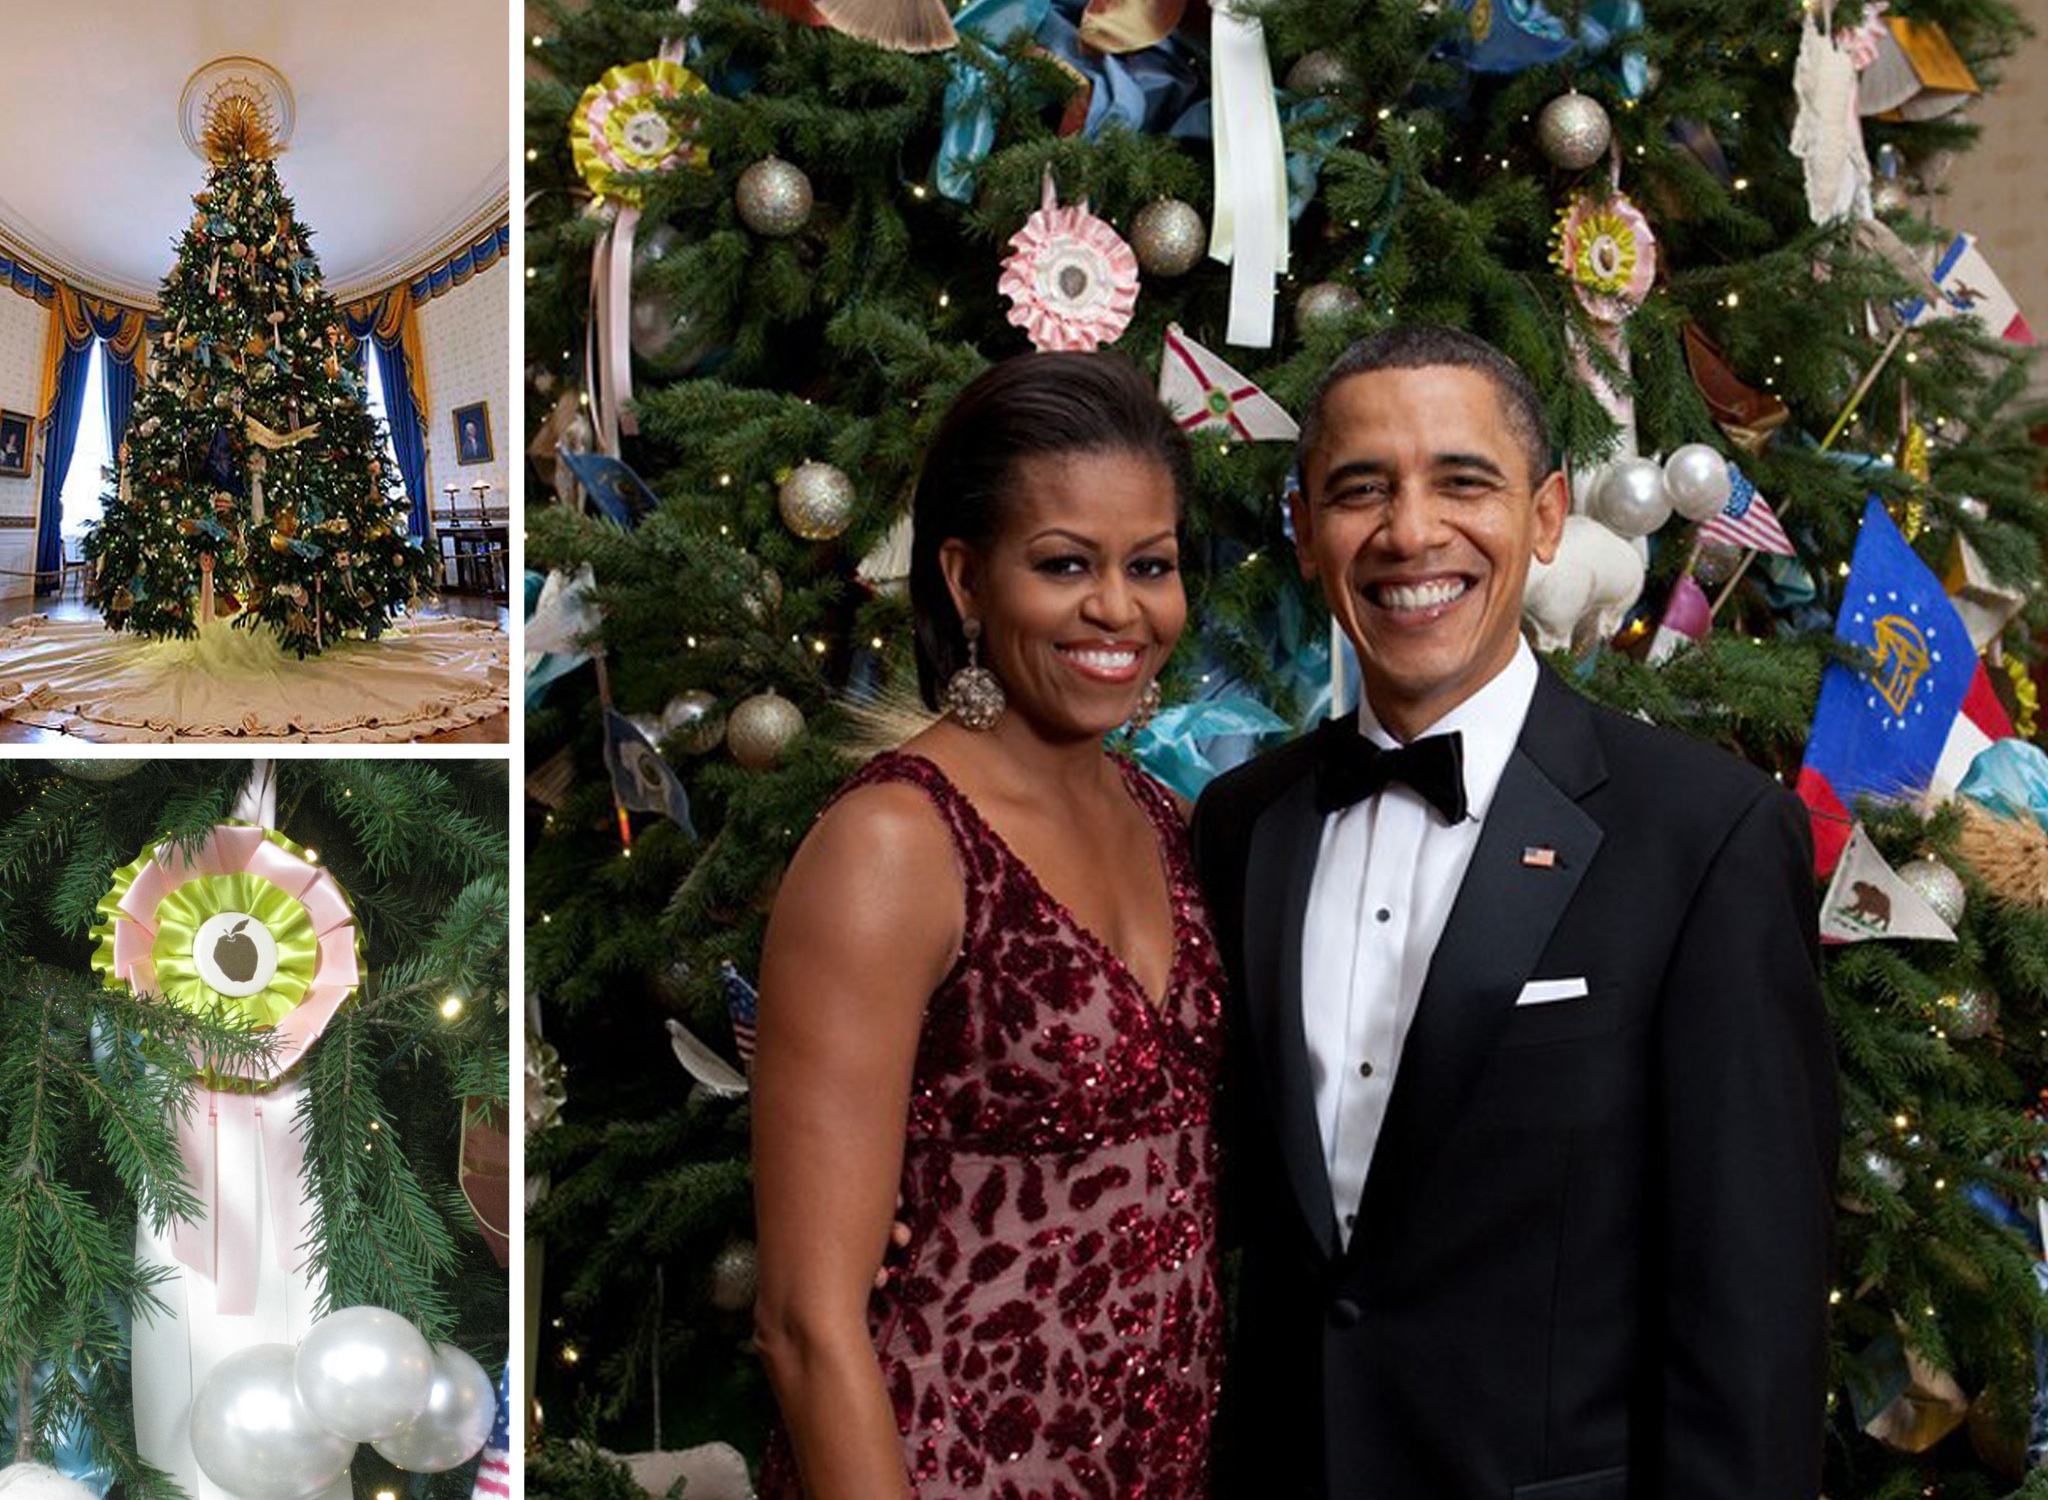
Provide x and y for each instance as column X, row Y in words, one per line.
column 1531, row 1113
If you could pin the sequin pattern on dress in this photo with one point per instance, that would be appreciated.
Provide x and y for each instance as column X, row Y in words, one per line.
column 1054, row 1330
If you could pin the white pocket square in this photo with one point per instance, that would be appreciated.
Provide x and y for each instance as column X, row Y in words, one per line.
column 1549, row 991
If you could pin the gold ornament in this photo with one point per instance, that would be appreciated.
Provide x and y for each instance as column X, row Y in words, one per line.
column 238, row 129
column 761, row 728
column 816, row 501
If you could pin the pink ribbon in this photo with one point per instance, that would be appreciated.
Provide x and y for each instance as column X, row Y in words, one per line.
column 611, row 290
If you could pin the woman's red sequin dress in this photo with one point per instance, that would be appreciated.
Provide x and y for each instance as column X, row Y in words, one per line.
column 1054, row 1330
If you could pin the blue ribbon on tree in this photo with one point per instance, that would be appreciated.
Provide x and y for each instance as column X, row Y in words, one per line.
column 303, row 267
column 219, row 227
column 1189, row 745
column 1512, row 36
column 2010, row 779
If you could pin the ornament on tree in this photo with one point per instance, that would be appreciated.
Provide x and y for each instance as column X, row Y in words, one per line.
column 816, row 501
column 363, row 1372
column 692, row 720
column 896, row 25
column 461, row 1405
column 1169, row 237
column 98, row 768
column 1629, row 497
column 619, row 130
column 1971, row 1012
column 1325, row 307
column 1604, row 247
column 1071, row 280
column 774, row 197
column 1574, row 131
column 1697, row 479
column 255, row 1438
column 1937, row 885
column 1320, row 72
column 735, row 1276
column 761, row 728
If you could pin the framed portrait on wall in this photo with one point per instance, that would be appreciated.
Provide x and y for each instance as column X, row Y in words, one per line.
column 17, row 442
column 473, row 433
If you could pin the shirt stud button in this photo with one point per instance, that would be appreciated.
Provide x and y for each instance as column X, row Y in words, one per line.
column 1383, row 915
column 1365, row 1069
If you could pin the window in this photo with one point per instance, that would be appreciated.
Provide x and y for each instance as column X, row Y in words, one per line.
column 92, row 458
column 375, row 383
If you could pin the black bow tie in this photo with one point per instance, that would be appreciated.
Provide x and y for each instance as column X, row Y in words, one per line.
column 1352, row 768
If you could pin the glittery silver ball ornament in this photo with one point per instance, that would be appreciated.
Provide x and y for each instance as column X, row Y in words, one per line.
column 774, row 197
column 1319, row 72
column 99, row 768
column 816, row 501
column 1169, row 237
column 1696, row 478
column 1630, row 498
column 735, row 1276
column 761, row 728
column 1325, row 308
column 1574, row 131
column 692, row 720
column 1937, row 885
column 1969, row 1013
column 1891, row 196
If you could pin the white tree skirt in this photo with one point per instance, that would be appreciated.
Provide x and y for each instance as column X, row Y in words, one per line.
column 422, row 677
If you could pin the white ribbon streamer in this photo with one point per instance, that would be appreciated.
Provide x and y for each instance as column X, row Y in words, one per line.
column 1250, row 233
column 611, row 292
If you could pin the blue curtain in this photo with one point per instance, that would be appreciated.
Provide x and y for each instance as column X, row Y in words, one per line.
column 408, row 423
column 119, row 378
column 60, row 436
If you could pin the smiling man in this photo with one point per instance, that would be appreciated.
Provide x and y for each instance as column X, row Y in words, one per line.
column 1532, row 1107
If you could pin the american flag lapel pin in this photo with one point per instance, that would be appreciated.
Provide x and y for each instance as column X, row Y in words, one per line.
column 1540, row 857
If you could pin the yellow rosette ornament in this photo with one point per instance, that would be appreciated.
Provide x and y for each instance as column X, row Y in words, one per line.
column 248, row 923
column 618, row 132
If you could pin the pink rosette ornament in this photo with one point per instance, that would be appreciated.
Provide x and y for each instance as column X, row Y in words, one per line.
column 248, row 924
column 619, row 127
column 1604, row 247
column 1071, row 280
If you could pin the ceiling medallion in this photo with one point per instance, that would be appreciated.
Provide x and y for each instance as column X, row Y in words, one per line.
column 243, row 83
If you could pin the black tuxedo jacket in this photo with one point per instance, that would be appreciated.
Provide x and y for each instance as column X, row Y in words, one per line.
column 1592, row 1254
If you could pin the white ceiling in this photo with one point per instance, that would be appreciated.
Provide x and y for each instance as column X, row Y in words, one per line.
column 400, row 146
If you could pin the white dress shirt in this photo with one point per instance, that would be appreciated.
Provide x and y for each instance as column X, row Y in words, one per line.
column 1387, row 873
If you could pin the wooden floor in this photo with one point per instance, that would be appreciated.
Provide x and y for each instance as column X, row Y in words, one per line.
column 496, row 730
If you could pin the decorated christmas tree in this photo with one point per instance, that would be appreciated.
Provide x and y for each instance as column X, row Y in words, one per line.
column 1750, row 318
column 251, row 475
column 358, row 993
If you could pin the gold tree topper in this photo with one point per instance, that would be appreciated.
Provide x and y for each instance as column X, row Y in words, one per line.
column 237, row 127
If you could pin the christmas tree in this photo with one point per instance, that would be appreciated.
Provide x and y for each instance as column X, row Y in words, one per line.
column 94, row 1076
column 1633, row 205
column 251, row 471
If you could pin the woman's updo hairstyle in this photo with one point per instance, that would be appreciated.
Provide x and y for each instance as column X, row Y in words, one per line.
column 1034, row 405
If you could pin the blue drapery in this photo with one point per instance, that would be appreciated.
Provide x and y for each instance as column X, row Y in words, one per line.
column 408, row 423
column 119, row 396
column 60, row 436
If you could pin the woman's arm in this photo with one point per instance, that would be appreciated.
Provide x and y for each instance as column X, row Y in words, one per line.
column 866, row 925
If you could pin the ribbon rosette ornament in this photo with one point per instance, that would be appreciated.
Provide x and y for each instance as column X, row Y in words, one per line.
column 247, row 922
column 1604, row 247
column 619, row 127
column 1071, row 280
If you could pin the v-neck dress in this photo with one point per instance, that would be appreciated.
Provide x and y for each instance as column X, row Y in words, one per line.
column 1055, row 1329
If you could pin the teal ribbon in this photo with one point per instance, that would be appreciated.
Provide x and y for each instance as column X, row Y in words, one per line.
column 1189, row 745
column 2011, row 779
column 1523, row 34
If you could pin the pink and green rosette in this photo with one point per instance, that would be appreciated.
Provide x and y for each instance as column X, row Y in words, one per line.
column 619, row 128
column 247, row 923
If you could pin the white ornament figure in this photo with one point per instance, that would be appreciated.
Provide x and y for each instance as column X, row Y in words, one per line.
column 1585, row 591
column 1828, row 134
column 40, row 1482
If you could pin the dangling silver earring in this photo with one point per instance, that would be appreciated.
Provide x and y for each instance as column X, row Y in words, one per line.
column 973, row 695
column 1148, row 706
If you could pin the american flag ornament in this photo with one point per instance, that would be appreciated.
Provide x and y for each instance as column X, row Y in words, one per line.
column 494, row 1469
column 741, row 1000
column 1747, row 520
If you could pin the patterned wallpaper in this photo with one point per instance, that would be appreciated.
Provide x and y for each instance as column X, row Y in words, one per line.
column 24, row 327
column 466, row 337
column 1998, row 191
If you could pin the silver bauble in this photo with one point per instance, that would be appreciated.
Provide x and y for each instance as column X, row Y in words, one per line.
column 1891, row 196
column 1574, row 131
column 1937, row 885
column 462, row 1403
column 1169, row 237
column 654, row 247
column 735, row 1276
column 255, row 1438
column 1630, row 498
column 761, row 728
column 1969, row 1013
column 774, row 197
column 1319, row 72
column 1325, row 308
column 1697, row 480
column 364, row 1372
column 1884, row 1169
column 692, row 721
column 816, row 501
column 99, row 767
column 1716, row 564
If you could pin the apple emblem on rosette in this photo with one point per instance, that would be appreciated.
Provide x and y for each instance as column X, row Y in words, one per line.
column 234, row 954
